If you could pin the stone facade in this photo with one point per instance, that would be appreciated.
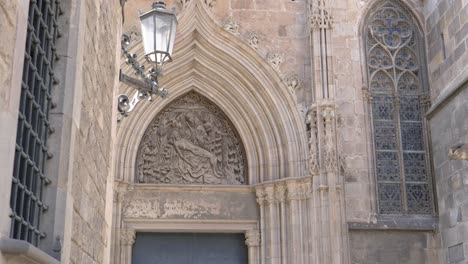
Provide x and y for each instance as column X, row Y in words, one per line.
column 288, row 79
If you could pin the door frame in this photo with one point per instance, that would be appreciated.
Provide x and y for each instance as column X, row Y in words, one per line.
column 130, row 227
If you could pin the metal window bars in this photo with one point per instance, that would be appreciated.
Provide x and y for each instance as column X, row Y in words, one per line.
column 29, row 177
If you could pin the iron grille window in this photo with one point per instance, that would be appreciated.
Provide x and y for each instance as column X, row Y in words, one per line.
column 395, row 64
column 31, row 153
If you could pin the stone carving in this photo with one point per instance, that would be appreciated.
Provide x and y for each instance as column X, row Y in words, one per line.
column 253, row 39
column 183, row 3
column 127, row 237
column 231, row 26
column 293, row 82
column 275, row 59
column 260, row 196
column 314, row 166
column 252, row 238
column 191, row 142
column 458, row 152
column 210, row 3
column 328, row 114
column 142, row 209
column 321, row 17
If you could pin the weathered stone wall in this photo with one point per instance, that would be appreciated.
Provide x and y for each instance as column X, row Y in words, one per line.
column 94, row 139
column 446, row 34
column 449, row 126
column 389, row 247
column 13, row 15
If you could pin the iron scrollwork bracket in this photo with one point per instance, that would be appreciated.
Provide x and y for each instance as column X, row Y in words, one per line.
column 146, row 88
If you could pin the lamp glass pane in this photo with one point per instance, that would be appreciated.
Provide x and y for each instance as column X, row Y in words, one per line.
column 147, row 32
column 173, row 33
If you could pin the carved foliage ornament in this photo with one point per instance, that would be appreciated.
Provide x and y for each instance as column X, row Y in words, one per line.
column 191, row 142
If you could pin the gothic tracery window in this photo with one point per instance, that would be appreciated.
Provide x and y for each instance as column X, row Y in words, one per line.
column 396, row 79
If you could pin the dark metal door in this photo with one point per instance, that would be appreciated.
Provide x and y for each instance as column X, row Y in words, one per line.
column 189, row 248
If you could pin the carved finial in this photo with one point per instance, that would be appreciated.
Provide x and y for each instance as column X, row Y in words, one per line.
column 275, row 59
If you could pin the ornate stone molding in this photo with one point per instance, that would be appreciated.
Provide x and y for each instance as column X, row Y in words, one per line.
column 252, row 238
column 127, row 237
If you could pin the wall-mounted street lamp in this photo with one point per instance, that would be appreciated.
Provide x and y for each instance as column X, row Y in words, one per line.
column 158, row 28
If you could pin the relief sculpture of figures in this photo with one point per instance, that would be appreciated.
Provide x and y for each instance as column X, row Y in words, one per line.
column 191, row 142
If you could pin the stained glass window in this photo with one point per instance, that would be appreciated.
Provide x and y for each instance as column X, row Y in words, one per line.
column 396, row 77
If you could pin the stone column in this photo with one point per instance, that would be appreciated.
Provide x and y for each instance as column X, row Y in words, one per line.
column 252, row 240
column 127, row 238
column 281, row 198
column 274, row 241
column 294, row 215
column 261, row 202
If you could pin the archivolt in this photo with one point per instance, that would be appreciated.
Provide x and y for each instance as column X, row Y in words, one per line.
column 227, row 71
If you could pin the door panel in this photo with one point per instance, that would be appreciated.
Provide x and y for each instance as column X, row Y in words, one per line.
column 189, row 248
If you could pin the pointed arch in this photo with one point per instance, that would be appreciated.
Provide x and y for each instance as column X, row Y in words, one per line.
column 398, row 92
column 221, row 67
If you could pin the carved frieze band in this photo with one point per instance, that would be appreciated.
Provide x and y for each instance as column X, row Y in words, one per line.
column 284, row 191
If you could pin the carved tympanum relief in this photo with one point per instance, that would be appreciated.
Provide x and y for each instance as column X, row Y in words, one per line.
column 191, row 142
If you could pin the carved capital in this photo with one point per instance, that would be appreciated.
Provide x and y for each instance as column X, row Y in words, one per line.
column 253, row 39
column 252, row 238
column 270, row 194
column 260, row 196
column 306, row 188
column 280, row 193
column 294, row 192
column 127, row 237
